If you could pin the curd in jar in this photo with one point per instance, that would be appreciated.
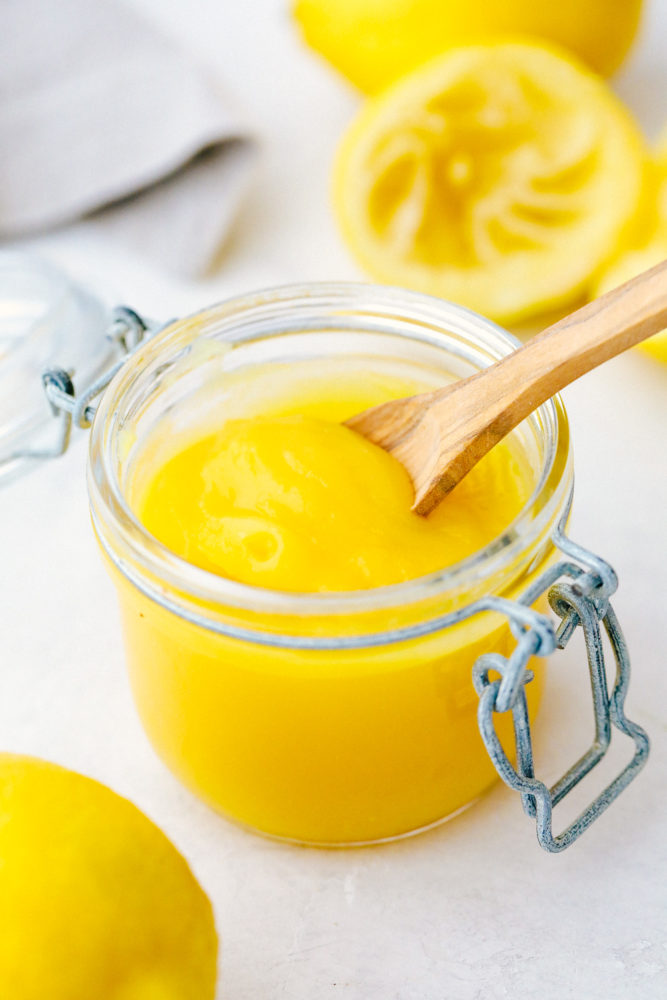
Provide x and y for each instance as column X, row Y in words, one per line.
column 291, row 499
column 268, row 566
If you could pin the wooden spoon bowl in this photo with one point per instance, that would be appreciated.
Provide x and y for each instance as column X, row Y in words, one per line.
column 439, row 436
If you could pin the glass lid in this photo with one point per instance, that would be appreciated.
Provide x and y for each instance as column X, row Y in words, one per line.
column 46, row 320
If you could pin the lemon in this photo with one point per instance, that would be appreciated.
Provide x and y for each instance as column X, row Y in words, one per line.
column 374, row 42
column 95, row 902
column 500, row 176
column 631, row 263
column 649, row 251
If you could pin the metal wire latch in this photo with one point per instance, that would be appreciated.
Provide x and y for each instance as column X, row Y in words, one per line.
column 126, row 332
column 579, row 588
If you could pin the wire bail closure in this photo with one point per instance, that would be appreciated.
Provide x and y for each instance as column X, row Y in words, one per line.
column 578, row 593
column 126, row 333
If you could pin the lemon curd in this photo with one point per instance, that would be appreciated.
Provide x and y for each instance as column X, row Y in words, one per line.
column 300, row 503
column 300, row 646
column 270, row 490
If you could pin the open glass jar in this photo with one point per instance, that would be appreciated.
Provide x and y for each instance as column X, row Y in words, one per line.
column 350, row 717
column 334, row 718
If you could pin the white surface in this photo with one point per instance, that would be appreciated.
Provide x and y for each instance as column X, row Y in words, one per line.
column 473, row 910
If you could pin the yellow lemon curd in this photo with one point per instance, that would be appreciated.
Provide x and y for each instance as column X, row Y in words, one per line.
column 303, row 504
column 329, row 745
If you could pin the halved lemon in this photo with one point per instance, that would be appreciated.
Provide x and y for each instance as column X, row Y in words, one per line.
column 650, row 250
column 500, row 176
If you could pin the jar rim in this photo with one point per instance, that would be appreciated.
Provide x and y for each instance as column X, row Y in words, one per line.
column 143, row 560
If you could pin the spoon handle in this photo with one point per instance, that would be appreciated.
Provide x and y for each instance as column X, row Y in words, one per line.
column 582, row 341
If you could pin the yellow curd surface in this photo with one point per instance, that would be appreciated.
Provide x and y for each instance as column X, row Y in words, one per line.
column 269, row 489
column 301, row 503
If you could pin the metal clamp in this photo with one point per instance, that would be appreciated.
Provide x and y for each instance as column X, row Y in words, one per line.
column 579, row 589
column 126, row 333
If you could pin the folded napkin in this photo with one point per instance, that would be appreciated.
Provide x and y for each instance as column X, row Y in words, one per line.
column 101, row 114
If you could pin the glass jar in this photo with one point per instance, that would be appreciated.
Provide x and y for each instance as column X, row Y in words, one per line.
column 339, row 718
column 327, row 719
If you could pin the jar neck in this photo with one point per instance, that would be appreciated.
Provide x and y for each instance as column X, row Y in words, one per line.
column 290, row 325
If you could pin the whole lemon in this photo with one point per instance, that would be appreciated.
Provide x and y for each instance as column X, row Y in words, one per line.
column 95, row 902
column 374, row 42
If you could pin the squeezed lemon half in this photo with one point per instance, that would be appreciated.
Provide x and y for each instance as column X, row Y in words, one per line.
column 645, row 252
column 500, row 176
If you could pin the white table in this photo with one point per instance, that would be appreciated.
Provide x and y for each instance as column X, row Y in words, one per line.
column 473, row 910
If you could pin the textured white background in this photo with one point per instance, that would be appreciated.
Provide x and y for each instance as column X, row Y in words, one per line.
column 473, row 910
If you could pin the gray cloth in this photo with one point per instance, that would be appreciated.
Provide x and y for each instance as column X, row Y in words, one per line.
column 98, row 111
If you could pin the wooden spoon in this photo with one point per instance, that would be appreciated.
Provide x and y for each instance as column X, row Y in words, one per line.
column 439, row 436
